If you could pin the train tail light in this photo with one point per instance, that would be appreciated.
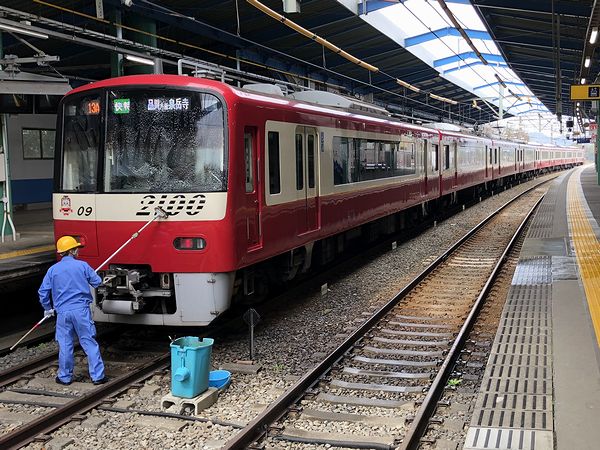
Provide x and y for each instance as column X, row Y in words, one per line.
column 189, row 243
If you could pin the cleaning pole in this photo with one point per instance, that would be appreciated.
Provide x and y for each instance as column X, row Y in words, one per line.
column 33, row 328
column 159, row 213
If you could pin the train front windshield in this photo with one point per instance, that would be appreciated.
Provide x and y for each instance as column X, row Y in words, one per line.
column 155, row 140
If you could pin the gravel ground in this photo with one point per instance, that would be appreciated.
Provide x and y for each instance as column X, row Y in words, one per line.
column 287, row 345
column 21, row 354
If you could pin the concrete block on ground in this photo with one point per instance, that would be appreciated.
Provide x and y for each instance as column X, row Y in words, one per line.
column 456, row 407
column 198, row 403
column 149, row 391
column 42, row 400
column 93, row 422
column 213, row 444
column 445, row 444
column 251, row 369
column 125, row 404
column 58, row 443
column 454, row 425
column 173, row 425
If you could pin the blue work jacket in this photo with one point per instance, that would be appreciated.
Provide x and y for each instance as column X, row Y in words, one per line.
column 69, row 283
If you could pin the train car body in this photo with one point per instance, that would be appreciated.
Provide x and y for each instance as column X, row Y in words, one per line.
column 254, row 186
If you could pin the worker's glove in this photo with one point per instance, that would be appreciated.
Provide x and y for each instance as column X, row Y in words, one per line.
column 48, row 313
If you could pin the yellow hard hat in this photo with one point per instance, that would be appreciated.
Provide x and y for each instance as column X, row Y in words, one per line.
column 66, row 243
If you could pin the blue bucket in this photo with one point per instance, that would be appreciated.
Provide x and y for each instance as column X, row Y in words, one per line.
column 219, row 378
column 190, row 365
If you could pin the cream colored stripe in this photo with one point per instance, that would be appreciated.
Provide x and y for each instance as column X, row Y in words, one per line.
column 587, row 249
column 28, row 251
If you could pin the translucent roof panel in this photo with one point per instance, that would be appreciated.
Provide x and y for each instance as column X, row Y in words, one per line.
column 423, row 28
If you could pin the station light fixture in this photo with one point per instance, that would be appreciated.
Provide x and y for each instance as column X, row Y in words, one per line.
column 583, row 81
column 587, row 61
column 140, row 60
column 442, row 99
column 407, row 85
column 12, row 29
column 594, row 35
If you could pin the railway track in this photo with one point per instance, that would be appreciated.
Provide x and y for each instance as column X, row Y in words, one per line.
column 67, row 407
column 32, row 383
column 400, row 359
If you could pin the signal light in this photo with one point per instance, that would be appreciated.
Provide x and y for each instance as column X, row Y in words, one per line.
column 189, row 243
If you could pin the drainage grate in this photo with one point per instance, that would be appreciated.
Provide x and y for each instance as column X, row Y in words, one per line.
column 514, row 406
column 493, row 438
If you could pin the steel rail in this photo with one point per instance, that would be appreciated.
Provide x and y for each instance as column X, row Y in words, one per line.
column 411, row 440
column 28, row 432
column 258, row 427
column 14, row 373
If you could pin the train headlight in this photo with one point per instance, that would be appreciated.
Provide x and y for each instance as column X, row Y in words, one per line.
column 189, row 243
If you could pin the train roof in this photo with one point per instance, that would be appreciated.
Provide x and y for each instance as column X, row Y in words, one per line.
column 263, row 97
column 273, row 97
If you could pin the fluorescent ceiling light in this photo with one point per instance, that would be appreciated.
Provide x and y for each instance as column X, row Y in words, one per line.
column 23, row 31
column 594, row 35
column 587, row 61
column 137, row 59
column 583, row 81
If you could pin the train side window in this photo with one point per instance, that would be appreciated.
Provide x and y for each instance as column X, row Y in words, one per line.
column 299, row 163
column 491, row 156
column 249, row 160
column 495, row 156
column 435, row 150
column 310, row 144
column 274, row 169
column 446, row 157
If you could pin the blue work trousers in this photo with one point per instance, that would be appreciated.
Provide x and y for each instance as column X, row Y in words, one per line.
column 77, row 322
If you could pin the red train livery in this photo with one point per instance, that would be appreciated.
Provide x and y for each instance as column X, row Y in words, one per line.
column 258, row 187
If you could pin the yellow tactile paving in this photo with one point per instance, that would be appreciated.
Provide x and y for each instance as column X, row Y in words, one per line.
column 587, row 249
column 26, row 252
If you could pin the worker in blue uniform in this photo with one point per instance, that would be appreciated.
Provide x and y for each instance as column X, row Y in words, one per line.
column 67, row 284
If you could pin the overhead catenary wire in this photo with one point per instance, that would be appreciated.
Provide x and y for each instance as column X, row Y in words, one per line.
column 225, row 56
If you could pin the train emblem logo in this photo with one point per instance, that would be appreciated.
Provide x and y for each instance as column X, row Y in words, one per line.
column 65, row 205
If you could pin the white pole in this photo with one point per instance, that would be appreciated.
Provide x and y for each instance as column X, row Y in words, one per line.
column 6, row 196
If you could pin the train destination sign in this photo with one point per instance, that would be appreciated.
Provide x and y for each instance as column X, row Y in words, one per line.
column 585, row 92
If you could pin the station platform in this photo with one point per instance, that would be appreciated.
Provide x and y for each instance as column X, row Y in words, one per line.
column 33, row 252
column 541, row 387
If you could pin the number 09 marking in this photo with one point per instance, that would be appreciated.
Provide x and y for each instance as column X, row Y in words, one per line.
column 84, row 211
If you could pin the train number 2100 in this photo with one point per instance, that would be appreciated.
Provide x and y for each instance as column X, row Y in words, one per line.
column 172, row 204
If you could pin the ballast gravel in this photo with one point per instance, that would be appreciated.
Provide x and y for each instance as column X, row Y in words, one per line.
column 289, row 340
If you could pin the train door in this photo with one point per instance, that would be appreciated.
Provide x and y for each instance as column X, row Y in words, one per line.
column 251, row 198
column 454, row 152
column 425, row 148
column 307, row 155
column 499, row 156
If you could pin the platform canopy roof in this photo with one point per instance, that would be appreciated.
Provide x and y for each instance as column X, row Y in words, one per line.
column 451, row 37
column 410, row 42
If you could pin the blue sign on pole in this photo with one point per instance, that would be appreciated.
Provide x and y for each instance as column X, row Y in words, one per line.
column 583, row 140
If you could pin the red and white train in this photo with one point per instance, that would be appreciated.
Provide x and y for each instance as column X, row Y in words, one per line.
column 257, row 186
